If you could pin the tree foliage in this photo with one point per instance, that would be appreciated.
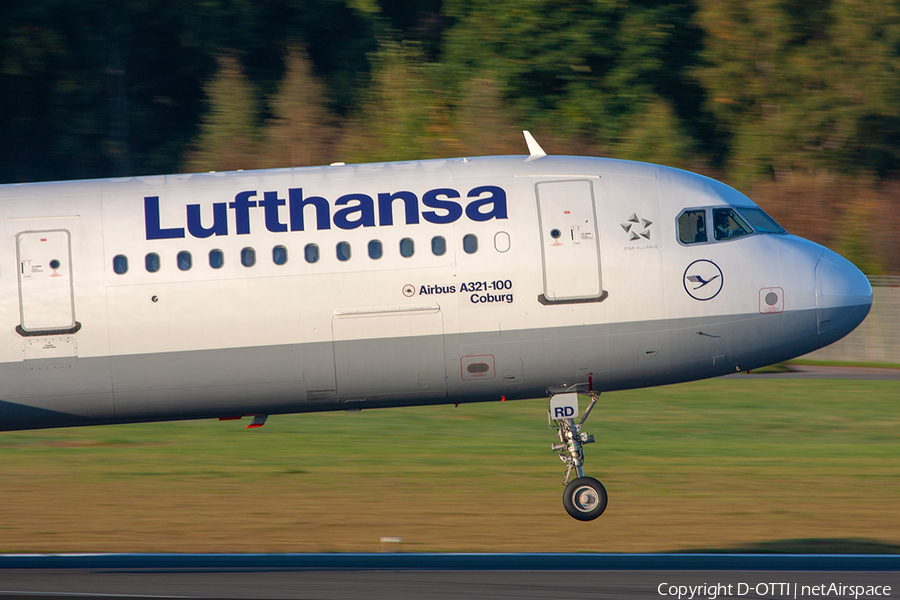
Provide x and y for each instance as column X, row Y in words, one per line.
column 399, row 113
column 590, row 71
column 804, row 86
column 96, row 89
column 300, row 131
column 759, row 88
column 777, row 96
column 229, row 129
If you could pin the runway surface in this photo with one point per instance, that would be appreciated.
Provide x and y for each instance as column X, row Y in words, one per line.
column 445, row 576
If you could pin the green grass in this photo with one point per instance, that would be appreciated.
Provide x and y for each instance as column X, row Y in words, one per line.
column 843, row 363
column 715, row 464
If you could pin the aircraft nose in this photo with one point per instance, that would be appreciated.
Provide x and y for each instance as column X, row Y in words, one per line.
column 843, row 297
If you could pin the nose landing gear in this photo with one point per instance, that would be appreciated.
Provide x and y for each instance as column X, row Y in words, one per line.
column 585, row 498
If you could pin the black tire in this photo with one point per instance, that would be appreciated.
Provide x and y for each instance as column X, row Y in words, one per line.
column 585, row 499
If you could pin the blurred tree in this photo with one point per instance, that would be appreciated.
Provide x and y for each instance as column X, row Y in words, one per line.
column 867, row 38
column 587, row 71
column 804, row 86
column 301, row 131
column 96, row 89
column 656, row 135
column 482, row 122
column 420, row 21
column 230, row 128
column 402, row 113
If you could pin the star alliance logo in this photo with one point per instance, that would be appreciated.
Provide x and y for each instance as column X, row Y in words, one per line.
column 634, row 224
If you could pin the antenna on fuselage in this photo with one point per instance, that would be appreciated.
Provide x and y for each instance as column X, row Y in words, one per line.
column 534, row 149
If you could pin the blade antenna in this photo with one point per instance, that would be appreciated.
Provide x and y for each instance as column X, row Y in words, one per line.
column 534, row 149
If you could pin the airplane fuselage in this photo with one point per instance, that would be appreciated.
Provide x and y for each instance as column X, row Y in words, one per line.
column 379, row 285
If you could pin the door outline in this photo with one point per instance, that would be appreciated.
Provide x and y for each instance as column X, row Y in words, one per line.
column 543, row 210
column 25, row 296
column 372, row 328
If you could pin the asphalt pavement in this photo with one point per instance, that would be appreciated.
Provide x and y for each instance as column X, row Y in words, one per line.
column 449, row 576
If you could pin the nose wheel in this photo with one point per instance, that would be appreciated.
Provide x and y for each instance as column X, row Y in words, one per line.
column 585, row 498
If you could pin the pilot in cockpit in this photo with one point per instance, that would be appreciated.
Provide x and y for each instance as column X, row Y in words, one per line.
column 724, row 226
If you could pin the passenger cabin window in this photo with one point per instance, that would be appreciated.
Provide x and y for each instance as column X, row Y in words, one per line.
column 375, row 250
column 185, row 262
column 311, row 253
column 692, row 227
column 407, row 247
column 438, row 245
column 727, row 224
column 501, row 241
column 248, row 257
column 279, row 255
column 216, row 259
column 120, row 264
column 343, row 251
column 760, row 221
column 470, row 244
column 151, row 261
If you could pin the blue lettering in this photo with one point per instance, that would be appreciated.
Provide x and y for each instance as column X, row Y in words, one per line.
column 242, row 205
column 298, row 202
column 497, row 199
column 151, row 222
column 484, row 203
column 271, row 202
column 220, row 221
column 431, row 200
column 365, row 208
column 489, row 298
column 386, row 207
column 563, row 411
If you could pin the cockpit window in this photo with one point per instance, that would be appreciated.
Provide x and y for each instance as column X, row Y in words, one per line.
column 692, row 227
column 760, row 221
column 727, row 224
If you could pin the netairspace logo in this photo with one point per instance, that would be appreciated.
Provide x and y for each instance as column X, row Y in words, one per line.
column 773, row 590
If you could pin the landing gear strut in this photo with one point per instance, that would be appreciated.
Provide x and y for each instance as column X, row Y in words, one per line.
column 585, row 498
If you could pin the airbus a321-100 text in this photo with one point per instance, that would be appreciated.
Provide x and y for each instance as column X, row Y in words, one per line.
column 364, row 286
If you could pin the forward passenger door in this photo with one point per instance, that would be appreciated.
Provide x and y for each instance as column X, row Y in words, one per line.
column 570, row 245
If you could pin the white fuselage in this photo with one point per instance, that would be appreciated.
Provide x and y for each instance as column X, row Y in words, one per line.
column 497, row 276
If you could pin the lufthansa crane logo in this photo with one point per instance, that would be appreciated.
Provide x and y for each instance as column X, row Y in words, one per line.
column 703, row 280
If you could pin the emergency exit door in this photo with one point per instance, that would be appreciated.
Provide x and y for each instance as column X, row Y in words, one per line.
column 46, row 302
column 570, row 246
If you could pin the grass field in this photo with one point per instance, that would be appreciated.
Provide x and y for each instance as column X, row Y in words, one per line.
column 715, row 464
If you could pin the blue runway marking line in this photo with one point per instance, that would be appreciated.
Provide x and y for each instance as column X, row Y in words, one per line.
column 456, row 562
